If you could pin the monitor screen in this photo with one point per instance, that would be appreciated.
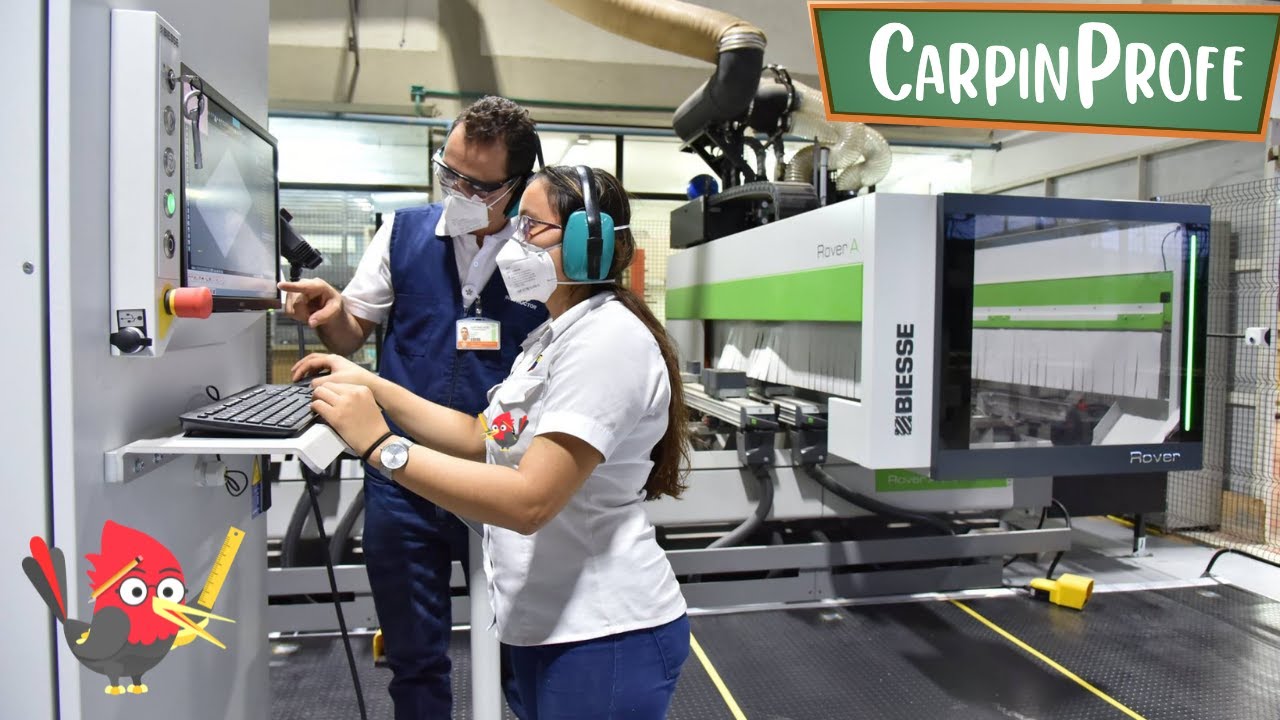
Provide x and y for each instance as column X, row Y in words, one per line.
column 230, row 205
column 1070, row 335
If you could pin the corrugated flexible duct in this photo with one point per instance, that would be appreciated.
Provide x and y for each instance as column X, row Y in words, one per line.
column 678, row 27
column 860, row 156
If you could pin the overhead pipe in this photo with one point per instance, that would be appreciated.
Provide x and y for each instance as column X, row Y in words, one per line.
column 569, row 128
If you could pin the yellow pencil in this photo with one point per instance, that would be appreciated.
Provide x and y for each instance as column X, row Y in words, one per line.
column 116, row 578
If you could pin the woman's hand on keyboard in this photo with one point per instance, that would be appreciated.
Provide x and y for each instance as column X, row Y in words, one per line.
column 337, row 369
column 351, row 411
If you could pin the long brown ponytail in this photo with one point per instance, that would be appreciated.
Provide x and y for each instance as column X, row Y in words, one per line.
column 671, row 454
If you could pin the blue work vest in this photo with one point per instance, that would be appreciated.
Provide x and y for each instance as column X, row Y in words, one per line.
column 419, row 351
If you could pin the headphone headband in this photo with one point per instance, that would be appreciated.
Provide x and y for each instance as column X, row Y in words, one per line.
column 595, row 239
column 588, row 235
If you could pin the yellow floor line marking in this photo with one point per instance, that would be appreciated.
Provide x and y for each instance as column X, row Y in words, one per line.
column 1129, row 524
column 715, row 679
column 1045, row 659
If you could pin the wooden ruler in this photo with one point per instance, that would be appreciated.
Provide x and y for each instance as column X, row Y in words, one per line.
column 221, row 566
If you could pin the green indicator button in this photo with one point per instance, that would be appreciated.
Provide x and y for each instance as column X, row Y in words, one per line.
column 170, row 203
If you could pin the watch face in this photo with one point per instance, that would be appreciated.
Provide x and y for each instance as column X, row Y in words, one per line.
column 395, row 455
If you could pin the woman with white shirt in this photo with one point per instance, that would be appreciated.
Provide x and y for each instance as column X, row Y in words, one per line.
column 588, row 425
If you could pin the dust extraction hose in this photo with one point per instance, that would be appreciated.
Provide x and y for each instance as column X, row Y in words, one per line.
column 757, row 518
column 678, row 27
column 735, row 46
column 870, row 504
column 860, row 156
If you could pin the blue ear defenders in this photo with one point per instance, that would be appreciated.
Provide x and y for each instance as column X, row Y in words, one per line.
column 587, row 249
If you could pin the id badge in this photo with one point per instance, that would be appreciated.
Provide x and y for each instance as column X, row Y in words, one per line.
column 477, row 333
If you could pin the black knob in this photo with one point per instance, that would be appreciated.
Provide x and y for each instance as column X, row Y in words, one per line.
column 130, row 340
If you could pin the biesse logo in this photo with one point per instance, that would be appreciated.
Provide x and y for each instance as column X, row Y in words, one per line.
column 1178, row 71
column 904, row 373
column 1137, row 457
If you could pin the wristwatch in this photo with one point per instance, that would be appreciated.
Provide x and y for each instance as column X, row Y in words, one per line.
column 396, row 454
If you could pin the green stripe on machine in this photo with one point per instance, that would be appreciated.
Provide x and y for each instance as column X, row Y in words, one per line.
column 826, row 295
column 1152, row 321
column 906, row 481
column 1132, row 289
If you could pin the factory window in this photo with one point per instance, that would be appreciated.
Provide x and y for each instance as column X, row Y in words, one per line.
column 333, row 152
column 655, row 165
column 928, row 172
column 596, row 150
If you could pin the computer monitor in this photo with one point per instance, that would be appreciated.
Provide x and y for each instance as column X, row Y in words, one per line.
column 230, row 231
column 1070, row 336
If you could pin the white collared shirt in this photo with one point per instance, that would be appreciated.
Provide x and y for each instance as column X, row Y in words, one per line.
column 595, row 569
column 369, row 294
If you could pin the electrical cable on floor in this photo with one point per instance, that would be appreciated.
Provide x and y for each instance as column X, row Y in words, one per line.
column 763, row 507
column 1044, row 513
column 343, row 531
column 753, row 523
column 311, row 481
column 293, row 533
column 1058, row 558
column 1232, row 551
column 869, row 504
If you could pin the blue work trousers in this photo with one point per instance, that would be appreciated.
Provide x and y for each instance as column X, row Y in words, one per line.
column 409, row 546
column 630, row 675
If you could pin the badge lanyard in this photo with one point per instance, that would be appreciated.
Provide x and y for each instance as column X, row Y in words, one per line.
column 476, row 332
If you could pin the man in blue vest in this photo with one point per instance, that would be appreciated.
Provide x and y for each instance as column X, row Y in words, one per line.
column 451, row 334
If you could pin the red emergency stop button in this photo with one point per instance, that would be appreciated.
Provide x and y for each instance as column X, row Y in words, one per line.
column 195, row 302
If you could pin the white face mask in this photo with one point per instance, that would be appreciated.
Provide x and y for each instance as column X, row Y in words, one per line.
column 465, row 215
column 529, row 273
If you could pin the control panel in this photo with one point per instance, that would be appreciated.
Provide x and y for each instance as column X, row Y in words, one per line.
column 146, row 186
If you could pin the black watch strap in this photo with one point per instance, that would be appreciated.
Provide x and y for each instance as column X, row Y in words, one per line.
column 364, row 458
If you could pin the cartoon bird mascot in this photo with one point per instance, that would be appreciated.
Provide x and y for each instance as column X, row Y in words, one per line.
column 506, row 430
column 138, row 592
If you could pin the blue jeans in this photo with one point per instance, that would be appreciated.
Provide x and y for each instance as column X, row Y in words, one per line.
column 630, row 675
column 409, row 547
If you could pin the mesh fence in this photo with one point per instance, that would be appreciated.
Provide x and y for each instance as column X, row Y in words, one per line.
column 651, row 228
column 1235, row 500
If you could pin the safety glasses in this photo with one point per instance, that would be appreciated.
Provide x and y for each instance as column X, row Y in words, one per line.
column 525, row 226
column 455, row 181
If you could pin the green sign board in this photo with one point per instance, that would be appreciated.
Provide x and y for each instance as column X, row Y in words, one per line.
column 1167, row 70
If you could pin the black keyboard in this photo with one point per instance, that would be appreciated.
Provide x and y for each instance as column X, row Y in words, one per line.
column 261, row 411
